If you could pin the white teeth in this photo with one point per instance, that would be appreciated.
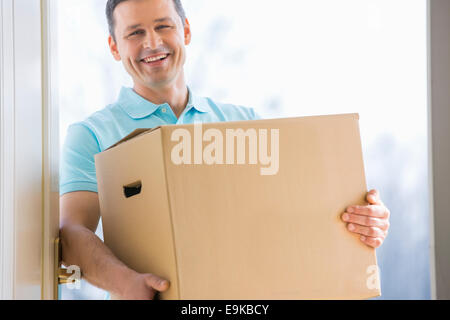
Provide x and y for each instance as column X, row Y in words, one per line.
column 155, row 58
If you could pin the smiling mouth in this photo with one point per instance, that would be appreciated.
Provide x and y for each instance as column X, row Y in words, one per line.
column 155, row 59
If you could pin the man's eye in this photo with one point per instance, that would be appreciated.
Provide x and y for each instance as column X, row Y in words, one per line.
column 162, row 27
column 136, row 32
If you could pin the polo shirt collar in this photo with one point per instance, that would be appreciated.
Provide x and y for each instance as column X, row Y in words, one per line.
column 138, row 107
column 198, row 103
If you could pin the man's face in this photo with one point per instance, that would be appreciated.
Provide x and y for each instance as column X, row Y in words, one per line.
column 150, row 41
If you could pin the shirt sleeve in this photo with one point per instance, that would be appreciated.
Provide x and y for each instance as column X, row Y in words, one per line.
column 77, row 165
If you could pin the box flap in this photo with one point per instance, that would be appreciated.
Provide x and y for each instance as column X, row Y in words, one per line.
column 134, row 134
column 139, row 132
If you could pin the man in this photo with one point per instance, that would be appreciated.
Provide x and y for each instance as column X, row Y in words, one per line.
column 150, row 38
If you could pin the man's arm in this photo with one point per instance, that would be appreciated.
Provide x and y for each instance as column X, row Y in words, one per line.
column 80, row 214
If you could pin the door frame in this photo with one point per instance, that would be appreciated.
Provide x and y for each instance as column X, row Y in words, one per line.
column 51, row 143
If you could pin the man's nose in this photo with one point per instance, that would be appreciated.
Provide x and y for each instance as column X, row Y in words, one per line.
column 152, row 41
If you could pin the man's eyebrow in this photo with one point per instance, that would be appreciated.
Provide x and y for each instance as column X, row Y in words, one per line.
column 133, row 27
column 164, row 19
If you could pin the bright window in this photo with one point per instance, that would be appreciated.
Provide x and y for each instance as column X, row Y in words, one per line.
column 295, row 58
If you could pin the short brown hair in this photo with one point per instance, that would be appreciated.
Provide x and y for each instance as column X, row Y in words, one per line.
column 112, row 4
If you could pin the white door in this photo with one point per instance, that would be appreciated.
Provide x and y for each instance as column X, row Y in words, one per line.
column 29, row 152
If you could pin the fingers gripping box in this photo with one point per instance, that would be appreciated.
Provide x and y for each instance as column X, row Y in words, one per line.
column 241, row 210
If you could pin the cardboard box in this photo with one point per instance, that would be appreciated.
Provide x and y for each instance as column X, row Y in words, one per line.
column 183, row 203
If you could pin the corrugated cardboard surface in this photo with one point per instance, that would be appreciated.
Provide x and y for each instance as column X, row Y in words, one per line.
column 227, row 232
column 138, row 229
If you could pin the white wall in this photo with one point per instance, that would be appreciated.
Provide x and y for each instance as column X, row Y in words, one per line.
column 439, row 54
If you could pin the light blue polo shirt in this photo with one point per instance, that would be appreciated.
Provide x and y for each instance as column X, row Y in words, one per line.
column 105, row 128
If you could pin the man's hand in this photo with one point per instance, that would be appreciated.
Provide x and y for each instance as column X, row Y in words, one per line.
column 371, row 221
column 143, row 287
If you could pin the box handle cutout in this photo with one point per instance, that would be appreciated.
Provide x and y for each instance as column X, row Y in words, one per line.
column 133, row 189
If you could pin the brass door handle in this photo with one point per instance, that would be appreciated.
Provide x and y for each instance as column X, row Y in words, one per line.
column 62, row 276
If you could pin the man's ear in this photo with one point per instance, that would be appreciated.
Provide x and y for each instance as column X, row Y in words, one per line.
column 113, row 48
column 187, row 32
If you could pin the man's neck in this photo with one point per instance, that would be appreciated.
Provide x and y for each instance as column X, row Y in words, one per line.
column 177, row 96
